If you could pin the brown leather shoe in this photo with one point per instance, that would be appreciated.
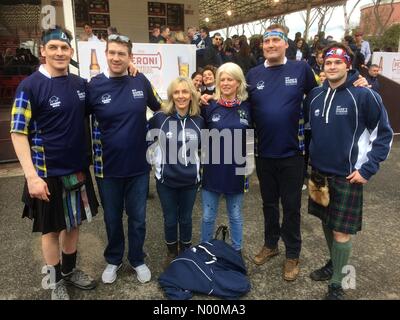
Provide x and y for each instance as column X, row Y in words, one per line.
column 264, row 255
column 291, row 269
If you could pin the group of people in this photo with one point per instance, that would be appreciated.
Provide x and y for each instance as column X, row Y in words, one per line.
column 47, row 131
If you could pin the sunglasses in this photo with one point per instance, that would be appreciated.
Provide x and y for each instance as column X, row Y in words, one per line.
column 119, row 37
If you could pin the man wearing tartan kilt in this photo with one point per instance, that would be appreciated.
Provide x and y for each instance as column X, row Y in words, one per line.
column 351, row 135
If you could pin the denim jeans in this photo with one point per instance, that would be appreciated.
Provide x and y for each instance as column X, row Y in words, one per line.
column 177, row 205
column 234, row 204
column 131, row 194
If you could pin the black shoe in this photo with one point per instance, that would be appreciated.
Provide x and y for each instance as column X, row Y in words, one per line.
column 335, row 292
column 324, row 273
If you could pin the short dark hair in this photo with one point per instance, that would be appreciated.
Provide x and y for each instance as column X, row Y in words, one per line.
column 205, row 29
column 196, row 73
column 118, row 40
column 163, row 28
column 87, row 24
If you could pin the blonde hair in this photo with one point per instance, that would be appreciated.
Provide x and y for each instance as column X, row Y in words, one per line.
column 233, row 70
column 169, row 107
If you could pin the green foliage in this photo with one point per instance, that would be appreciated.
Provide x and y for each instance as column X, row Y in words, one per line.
column 389, row 39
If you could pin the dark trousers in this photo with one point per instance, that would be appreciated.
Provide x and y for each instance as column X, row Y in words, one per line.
column 177, row 205
column 281, row 179
column 116, row 195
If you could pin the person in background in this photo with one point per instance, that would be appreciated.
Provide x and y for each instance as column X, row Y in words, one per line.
column 155, row 35
column 89, row 35
column 164, row 34
column 177, row 162
column 372, row 77
column 208, row 80
column 364, row 48
column 197, row 79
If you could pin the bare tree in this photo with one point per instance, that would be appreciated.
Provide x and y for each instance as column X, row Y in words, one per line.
column 347, row 16
column 324, row 16
column 309, row 18
column 379, row 15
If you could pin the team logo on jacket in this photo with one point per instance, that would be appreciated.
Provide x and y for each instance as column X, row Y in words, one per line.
column 317, row 112
column 243, row 117
column 290, row 81
column 137, row 94
column 341, row 111
column 260, row 85
column 216, row 117
column 81, row 94
column 169, row 135
column 55, row 102
column 106, row 98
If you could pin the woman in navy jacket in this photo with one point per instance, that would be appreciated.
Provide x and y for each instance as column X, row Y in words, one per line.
column 227, row 116
column 177, row 131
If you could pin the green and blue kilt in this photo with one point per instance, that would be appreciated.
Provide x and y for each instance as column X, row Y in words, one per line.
column 344, row 213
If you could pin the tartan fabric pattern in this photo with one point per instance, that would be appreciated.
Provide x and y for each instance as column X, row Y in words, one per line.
column 301, row 133
column 97, row 149
column 38, row 154
column 21, row 114
column 344, row 213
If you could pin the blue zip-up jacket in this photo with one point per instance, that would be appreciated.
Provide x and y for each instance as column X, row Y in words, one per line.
column 212, row 268
column 350, row 129
column 176, row 159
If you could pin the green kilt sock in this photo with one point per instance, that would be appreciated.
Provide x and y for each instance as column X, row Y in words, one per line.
column 340, row 257
column 328, row 237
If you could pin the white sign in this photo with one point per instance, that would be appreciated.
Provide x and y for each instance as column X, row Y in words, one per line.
column 389, row 64
column 160, row 63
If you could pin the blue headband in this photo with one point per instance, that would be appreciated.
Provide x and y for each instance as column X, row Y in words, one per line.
column 56, row 34
column 275, row 33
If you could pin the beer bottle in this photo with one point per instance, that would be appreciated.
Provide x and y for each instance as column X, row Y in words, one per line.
column 94, row 65
column 381, row 64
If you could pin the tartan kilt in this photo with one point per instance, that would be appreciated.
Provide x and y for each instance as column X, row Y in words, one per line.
column 344, row 212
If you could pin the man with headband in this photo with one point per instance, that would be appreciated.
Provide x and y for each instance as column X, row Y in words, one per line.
column 351, row 135
column 276, row 91
column 47, row 130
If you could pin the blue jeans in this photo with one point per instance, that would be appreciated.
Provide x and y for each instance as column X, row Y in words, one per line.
column 234, row 204
column 131, row 194
column 177, row 205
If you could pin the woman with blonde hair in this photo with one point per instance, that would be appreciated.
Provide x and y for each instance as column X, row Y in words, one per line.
column 228, row 112
column 177, row 132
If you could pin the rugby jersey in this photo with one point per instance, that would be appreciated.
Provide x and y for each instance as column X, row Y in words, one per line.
column 223, row 177
column 51, row 111
column 119, row 105
column 276, row 94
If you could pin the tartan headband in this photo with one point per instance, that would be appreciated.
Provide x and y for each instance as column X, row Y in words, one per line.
column 56, row 34
column 275, row 33
column 338, row 53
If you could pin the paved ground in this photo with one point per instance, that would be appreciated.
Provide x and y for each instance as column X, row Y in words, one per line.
column 376, row 250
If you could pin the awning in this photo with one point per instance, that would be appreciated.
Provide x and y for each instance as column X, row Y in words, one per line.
column 244, row 11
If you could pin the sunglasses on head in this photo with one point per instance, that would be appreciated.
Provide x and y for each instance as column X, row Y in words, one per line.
column 118, row 37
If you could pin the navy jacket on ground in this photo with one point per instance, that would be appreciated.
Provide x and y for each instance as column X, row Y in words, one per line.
column 350, row 129
column 212, row 268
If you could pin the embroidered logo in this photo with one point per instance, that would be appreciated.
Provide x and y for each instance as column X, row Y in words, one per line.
column 216, row 117
column 106, row 98
column 290, row 81
column 55, row 102
column 341, row 111
column 260, row 85
column 169, row 135
column 317, row 112
column 243, row 117
column 137, row 94
column 81, row 95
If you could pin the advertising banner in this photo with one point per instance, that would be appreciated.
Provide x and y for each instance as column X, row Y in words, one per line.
column 389, row 64
column 160, row 63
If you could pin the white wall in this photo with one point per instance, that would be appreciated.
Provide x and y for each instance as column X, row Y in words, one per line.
column 130, row 17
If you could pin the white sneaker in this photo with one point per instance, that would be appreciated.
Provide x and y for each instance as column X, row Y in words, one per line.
column 304, row 187
column 143, row 273
column 110, row 273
